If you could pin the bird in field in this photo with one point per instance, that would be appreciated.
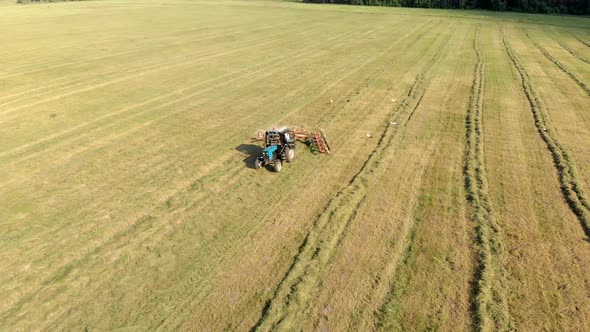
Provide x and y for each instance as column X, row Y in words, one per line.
column 369, row 135
column 331, row 101
column 393, row 100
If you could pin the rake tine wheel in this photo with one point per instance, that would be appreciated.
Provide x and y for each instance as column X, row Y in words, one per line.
column 325, row 139
column 320, row 142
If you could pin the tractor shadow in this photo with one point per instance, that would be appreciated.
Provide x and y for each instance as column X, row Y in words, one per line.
column 251, row 152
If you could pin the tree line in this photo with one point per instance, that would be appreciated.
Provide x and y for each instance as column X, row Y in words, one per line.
column 576, row 7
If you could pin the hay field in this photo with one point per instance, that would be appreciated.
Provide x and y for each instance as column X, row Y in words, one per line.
column 127, row 197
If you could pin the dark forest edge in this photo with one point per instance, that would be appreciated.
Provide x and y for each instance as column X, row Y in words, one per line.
column 574, row 7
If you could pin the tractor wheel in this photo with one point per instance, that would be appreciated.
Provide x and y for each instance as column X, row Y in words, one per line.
column 257, row 164
column 289, row 154
column 278, row 165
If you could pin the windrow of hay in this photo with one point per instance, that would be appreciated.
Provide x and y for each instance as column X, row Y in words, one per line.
column 572, row 51
column 558, row 64
column 566, row 167
column 490, row 289
column 582, row 41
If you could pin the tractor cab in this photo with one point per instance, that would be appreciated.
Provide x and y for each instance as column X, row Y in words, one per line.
column 279, row 136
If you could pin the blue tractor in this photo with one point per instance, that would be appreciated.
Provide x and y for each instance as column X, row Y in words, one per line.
column 279, row 146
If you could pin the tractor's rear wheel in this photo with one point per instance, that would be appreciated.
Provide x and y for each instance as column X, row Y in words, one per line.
column 289, row 154
column 278, row 165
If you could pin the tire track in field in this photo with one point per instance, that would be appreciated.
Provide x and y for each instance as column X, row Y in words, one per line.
column 489, row 288
column 177, row 94
column 141, row 71
column 233, row 177
column 166, row 95
column 382, row 284
column 565, row 166
column 113, row 31
column 66, row 81
column 142, row 218
column 559, row 65
column 96, row 44
column 292, row 296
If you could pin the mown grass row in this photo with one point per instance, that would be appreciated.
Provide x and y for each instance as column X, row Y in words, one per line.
column 291, row 300
column 491, row 308
column 570, row 185
column 559, row 65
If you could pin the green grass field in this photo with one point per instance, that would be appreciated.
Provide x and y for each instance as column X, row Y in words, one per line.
column 127, row 197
